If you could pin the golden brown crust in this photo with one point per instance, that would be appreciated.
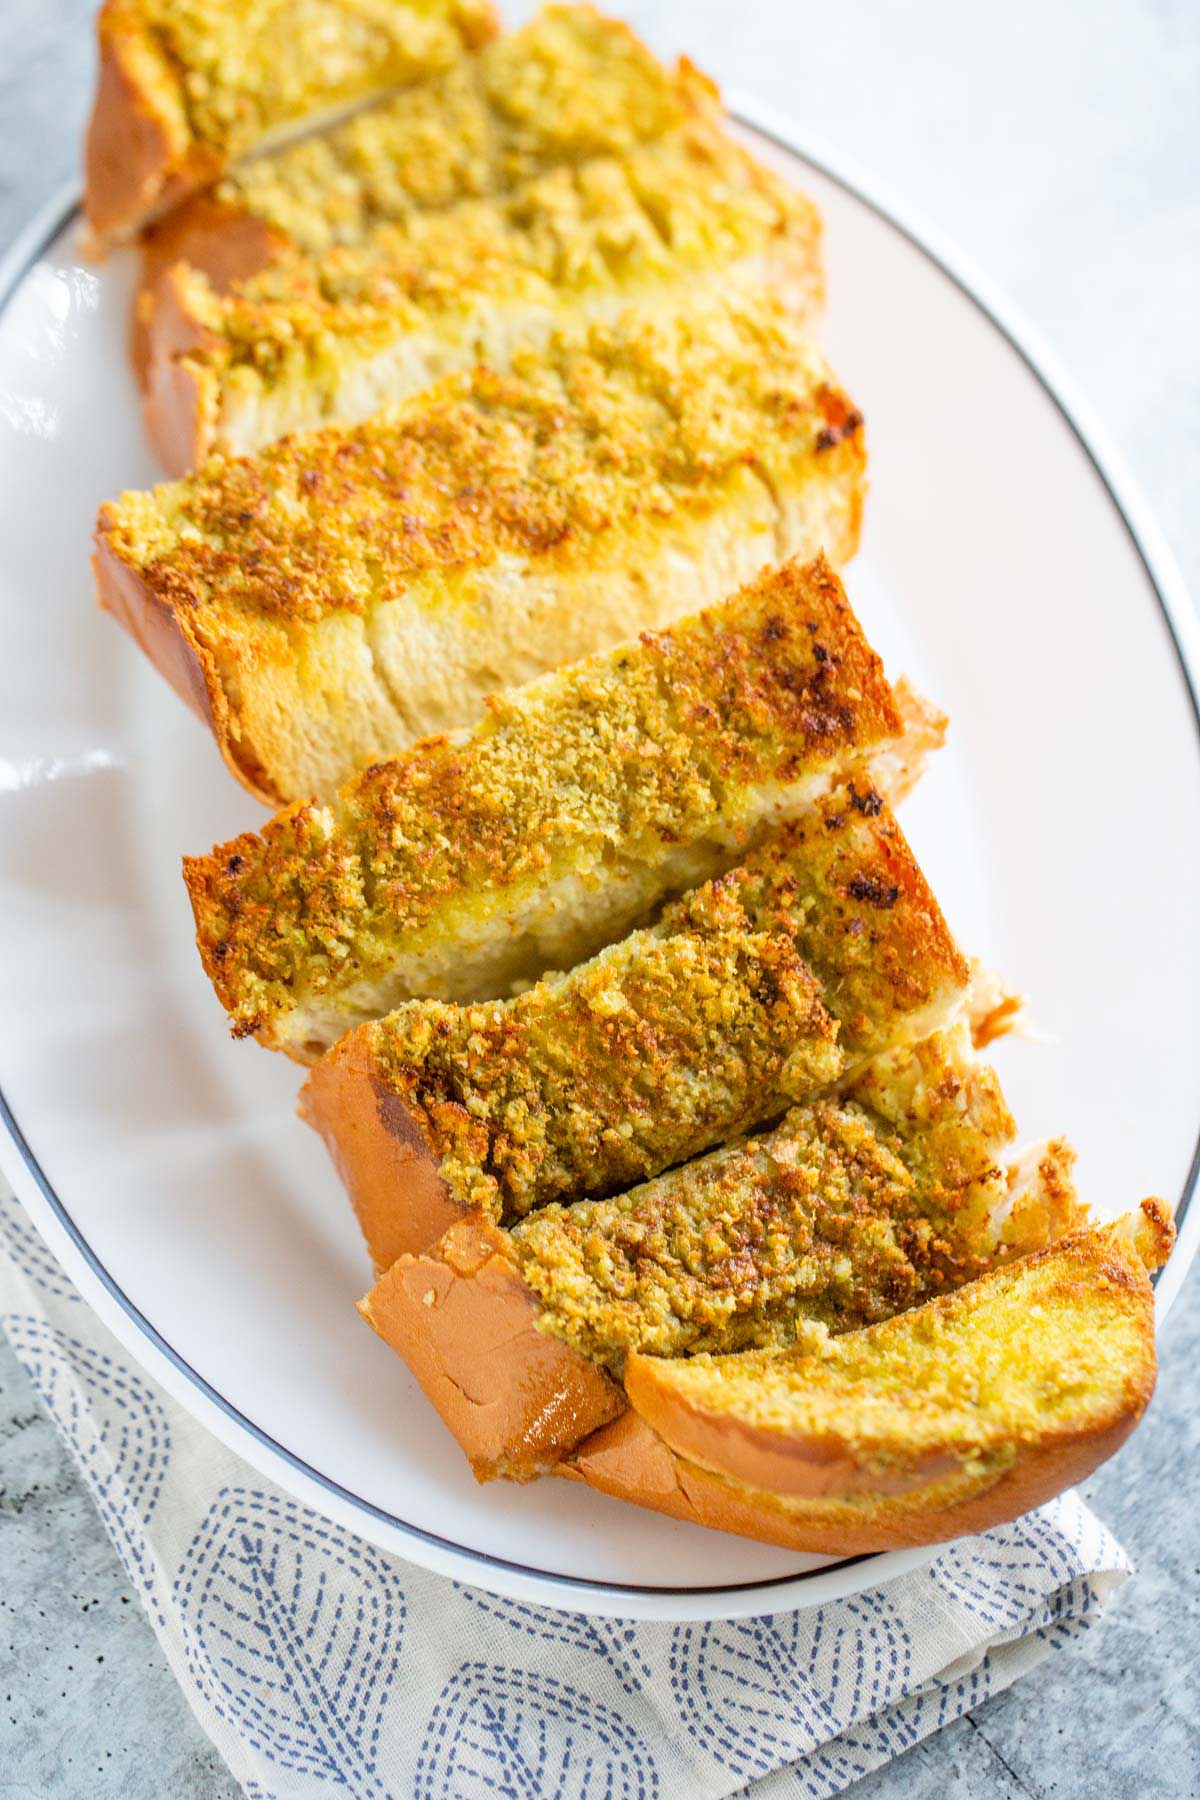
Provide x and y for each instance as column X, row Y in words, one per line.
column 182, row 93
column 166, row 635
column 179, row 397
column 224, row 242
column 137, row 154
column 634, row 773
column 155, row 628
column 356, row 588
column 515, row 1399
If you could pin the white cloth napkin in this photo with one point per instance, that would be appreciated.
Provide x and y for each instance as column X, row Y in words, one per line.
column 318, row 1665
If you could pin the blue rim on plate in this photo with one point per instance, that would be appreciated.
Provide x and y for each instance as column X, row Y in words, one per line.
column 1167, row 588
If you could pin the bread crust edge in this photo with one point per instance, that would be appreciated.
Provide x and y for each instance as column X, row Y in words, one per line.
column 628, row 1461
column 461, row 1316
column 381, row 1152
column 177, row 653
column 224, row 243
column 179, row 396
column 137, row 160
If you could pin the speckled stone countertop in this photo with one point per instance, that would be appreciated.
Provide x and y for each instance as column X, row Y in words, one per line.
column 1057, row 143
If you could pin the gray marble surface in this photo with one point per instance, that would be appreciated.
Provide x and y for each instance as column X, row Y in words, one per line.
column 1058, row 144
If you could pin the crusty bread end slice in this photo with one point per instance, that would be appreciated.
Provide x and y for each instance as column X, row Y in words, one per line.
column 965, row 1412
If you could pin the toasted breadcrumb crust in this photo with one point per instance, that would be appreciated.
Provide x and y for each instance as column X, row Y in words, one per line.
column 345, row 591
column 569, row 86
column 840, row 1217
column 750, row 995
column 592, row 1081
column 841, row 883
column 334, row 336
column 604, row 772
column 1057, row 1345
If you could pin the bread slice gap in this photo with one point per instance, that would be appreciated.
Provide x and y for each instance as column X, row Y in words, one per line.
column 752, row 993
column 948, row 1419
column 183, row 91
column 843, row 1214
column 473, row 864
column 343, row 592
column 338, row 336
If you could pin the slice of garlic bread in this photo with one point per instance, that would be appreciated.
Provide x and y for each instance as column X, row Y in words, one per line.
column 327, row 601
column 753, row 993
column 185, row 90
column 473, row 864
column 953, row 1417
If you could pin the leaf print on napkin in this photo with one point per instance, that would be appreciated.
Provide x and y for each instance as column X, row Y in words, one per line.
column 830, row 1769
column 758, row 1693
column 292, row 1632
column 506, row 1734
column 1014, row 1575
column 24, row 1247
column 616, row 1641
column 115, row 1428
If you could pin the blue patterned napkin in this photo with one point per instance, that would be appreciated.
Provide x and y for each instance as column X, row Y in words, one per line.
column 320, row 1666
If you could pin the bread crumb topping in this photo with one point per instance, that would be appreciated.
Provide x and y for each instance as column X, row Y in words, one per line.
column 840, row 1217
column 639, row 426
column 752, row 993
column 1062, row 1340
column 601, row 772
column 243, row 70
column 568, row 86
column 692, row 206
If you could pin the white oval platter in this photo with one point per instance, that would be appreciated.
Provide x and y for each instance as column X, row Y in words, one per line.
column 1007, row 565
